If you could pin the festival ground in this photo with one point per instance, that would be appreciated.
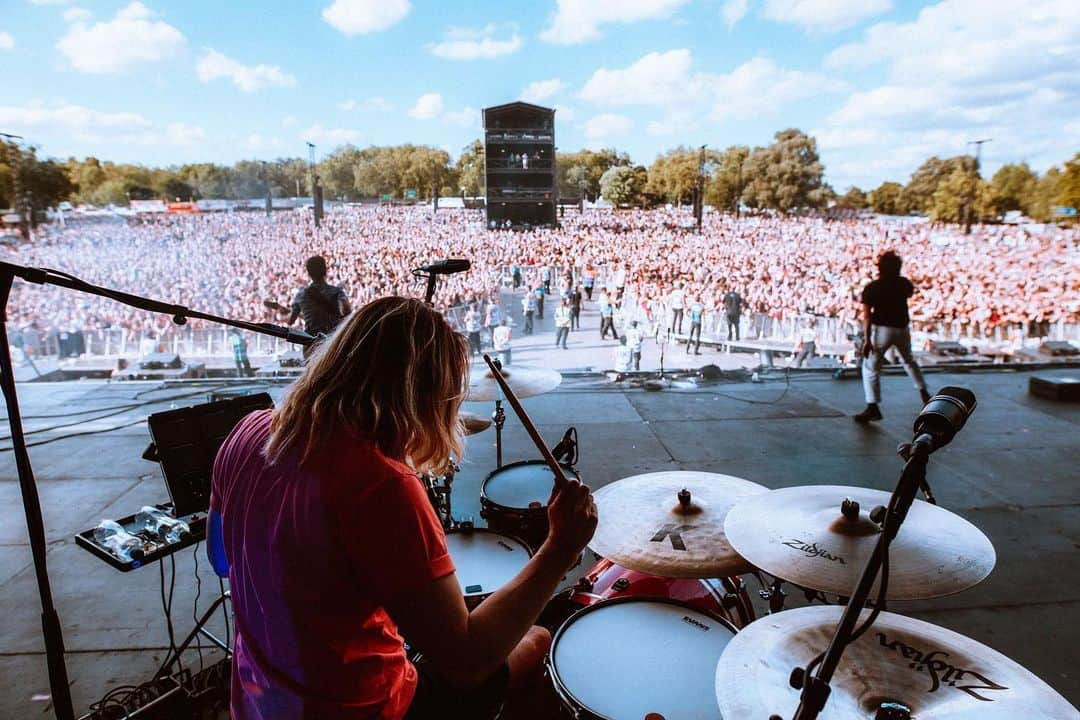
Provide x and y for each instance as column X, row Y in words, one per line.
column 1012, row 472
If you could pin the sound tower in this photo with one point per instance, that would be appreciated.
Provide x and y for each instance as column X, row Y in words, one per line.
column 519, row 164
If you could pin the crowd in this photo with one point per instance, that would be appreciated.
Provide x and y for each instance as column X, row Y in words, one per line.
column 230, row 263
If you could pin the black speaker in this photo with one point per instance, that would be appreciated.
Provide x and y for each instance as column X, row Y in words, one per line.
column 711, row 372
column 161, row 361
column 946, row 347
column 1059, row 348
column 317, row 196
column 1062, row 388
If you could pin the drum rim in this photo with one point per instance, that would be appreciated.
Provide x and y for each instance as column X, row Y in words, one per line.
column 466, row 531
column 509, row 508
column 560, row 687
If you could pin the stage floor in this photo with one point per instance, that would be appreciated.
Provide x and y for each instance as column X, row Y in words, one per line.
column 1012, row 472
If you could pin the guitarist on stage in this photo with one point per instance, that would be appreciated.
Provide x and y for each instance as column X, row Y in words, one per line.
column 322, row 305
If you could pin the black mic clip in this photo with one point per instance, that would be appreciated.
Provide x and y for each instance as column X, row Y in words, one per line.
column 567, row 447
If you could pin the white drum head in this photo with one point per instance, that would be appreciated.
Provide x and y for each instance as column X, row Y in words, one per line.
column 517, row 486
column 626, row 659
column 485, row 560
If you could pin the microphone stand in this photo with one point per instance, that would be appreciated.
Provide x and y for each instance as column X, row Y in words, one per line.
column 815, row 688
column 50, row 620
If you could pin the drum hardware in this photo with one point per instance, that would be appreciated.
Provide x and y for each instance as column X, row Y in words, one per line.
column 901, row 668
column 513, row 499
column 439, row 491
column 487, row 383
column 499, row 416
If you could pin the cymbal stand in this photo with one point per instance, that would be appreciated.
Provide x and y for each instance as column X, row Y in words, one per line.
column 815, row 686
column 499, row 418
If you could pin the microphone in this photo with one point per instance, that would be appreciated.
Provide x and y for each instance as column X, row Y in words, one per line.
column 944, row 416
column 447, row 267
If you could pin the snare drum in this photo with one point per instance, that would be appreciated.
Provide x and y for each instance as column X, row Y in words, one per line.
column 485, row 561
column 726, row 597
column 630, row 657
column 513, row 499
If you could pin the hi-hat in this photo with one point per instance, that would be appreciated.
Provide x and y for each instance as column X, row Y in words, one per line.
column 473, row 423
column 525, row 381
column 801, row 535
column 934, row 672
column 647, row 524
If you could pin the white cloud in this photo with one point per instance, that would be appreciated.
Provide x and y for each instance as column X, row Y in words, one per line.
column 77, row 14
column 331, row 137
column 360, row 17
column 470, row 44
column 607, row 125
column 377, row 102
column 541, row 90
column 824, row 15
column 259, row 143
column 213, row 65
column 464, row 117
column 127, row 42
column 961, row 70
column 427, row 107
column 564, row 113
column 49, row 2
column 732, row 11
column 288, row 121
column 347, row 105
column 577, row 21
column 7, row 42
column 666, row 81
column 83, row 124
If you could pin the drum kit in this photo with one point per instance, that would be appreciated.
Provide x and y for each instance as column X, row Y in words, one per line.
column 662, row 625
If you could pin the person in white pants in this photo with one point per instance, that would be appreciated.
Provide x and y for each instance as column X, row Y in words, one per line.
column 885, row 325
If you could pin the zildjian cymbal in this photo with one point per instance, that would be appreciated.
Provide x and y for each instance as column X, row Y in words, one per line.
column 802, row 535
column 933, row 672
column 525, row 381
column 671, row 523
column 473, row 423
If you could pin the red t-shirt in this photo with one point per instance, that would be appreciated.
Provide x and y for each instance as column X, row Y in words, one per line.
column 315, row 554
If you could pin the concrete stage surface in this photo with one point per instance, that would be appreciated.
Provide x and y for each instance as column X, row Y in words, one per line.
column 1013, row 472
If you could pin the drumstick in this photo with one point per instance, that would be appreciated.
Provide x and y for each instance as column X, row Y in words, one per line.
column 560, row 476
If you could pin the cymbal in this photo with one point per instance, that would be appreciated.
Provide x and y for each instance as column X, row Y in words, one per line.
column 474, row 423
column 935, row 672
column 524, row 380
column 644, row 525
column 798, row 534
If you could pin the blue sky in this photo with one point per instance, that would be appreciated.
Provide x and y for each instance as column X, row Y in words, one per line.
column 882, row 84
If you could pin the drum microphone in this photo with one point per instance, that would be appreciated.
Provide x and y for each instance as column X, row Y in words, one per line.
column 446, row 267
column 944, row 416
column 567, row 447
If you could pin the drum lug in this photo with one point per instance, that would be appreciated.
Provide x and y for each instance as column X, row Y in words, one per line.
column 775, row 595
column 584, row 584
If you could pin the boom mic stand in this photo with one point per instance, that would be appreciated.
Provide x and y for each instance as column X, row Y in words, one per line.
column 815, row 687
column 50, row 621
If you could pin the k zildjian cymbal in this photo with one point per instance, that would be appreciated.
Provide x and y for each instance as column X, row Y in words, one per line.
column 799, row 534
column 645, row 525
column 525, row 381
column 474, row 423
column 934, row 672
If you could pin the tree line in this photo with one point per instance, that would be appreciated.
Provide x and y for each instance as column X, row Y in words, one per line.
column 786, row 176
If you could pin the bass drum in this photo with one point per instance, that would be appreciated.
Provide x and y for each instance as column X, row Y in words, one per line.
column 513, row 499
column 485, row 561
column 637, row 657
column 724, row 597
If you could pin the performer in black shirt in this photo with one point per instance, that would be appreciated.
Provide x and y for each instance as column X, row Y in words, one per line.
column 320, row 304
column 885, row 324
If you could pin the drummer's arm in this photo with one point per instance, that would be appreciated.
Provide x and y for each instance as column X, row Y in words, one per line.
column 466, row 648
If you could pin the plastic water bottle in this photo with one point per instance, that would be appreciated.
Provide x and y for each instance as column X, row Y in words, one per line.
column 119, row 541
column 163, row 527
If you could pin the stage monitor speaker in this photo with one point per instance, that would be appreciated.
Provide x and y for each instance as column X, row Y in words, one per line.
column 1062, row 388
column 161, row 361
column 711, row 372
column 946, row 347
column 1059, row 348
column 186, row 442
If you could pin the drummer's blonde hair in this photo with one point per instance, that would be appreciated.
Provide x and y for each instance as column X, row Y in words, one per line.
column 393, row 373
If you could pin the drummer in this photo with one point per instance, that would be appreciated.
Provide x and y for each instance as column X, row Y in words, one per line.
column 341, row 551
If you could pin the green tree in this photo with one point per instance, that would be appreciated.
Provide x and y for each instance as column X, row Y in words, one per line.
column 673, row 176
column 853, row 199
column 1068, row 186
column 592, row 163
column 470, row 168
column 924, row 182
column 962, row 196
column 1014, row 188
column 786, row 175
column 623, row 185
column 337, row 171
column 888, row 199
column 724, row 188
